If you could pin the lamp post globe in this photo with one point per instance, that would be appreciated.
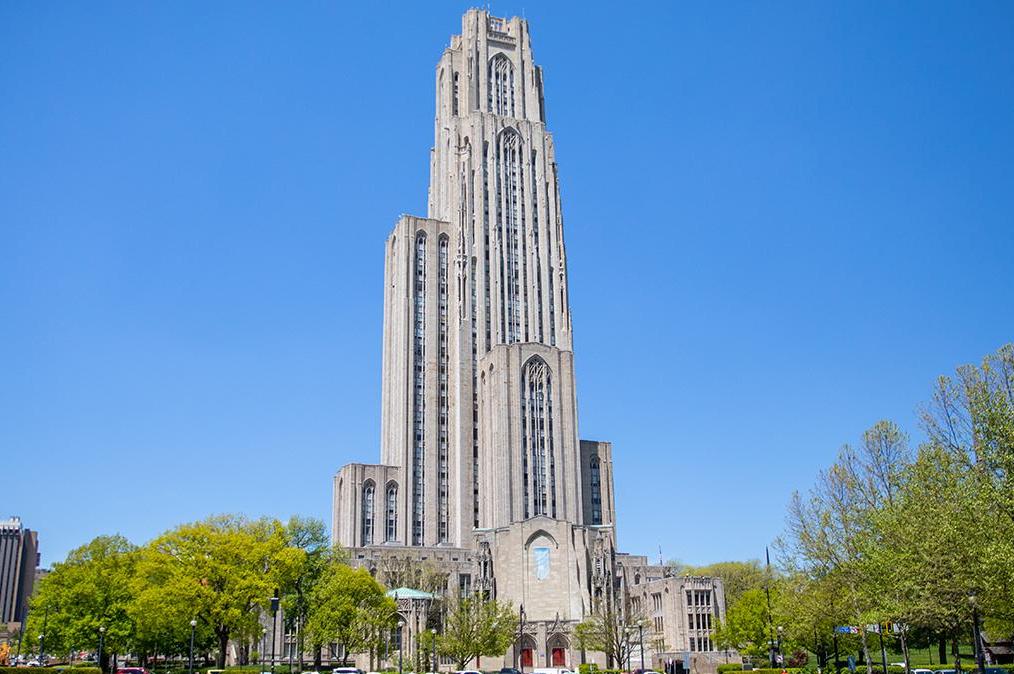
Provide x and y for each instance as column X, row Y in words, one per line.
column 193, row 629
column 980, row 656
column 102, row 636
column 433, row 648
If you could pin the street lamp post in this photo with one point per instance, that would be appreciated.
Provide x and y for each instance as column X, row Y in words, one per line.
column 193, row 629
column 640, row 638
column 401, row 645
column 433, row 644
column 42, row 635
column 274, row 627
column 781, row 660
column 102, row 636
column 521, row 639
column 980, row 656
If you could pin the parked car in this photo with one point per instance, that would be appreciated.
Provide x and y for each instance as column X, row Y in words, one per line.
column 551, row 670
column 922, row 671
column 347, row 670
column 510, row 670
column 131, row 670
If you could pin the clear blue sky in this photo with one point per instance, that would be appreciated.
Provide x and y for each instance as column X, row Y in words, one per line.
column 784, row 220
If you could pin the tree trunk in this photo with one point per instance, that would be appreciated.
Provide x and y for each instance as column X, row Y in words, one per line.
column 223, row 644
column 316, row 657
column 866, row 649
column 942, row 650
column 904, row 650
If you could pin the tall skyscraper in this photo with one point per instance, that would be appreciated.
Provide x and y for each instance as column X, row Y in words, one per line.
column 482, row 472
column 19, row 558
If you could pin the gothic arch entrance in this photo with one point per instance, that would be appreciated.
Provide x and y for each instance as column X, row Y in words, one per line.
column 526, row 653
column 556, row 650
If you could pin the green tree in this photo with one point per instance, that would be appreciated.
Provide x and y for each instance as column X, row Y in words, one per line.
column 609, row 630
column 832, row 532
column 91, row 589
column 219, row 572
column 737, row 577
column 345, row 605
column 309, row 535
column 475, row 627
column 747, row 627
column 971, row 416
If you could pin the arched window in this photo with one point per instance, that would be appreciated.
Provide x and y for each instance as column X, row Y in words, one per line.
column 510, row 232
column 368, row 511
column 538, row 462
column 500, row 86
column 419, row 386
column 391, row 518
column 443, row 471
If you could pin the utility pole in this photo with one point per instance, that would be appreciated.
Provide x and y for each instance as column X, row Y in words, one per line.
column 767, row 592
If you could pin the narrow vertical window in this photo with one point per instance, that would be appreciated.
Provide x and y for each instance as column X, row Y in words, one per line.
column 368, row 512
column 442, row 468
column 419, row 398
column 509, row 234
column 537, row 460
column 391, row 518
column 454, row 100
column 485, row 248
column 537, row 252
column 500, row 86
column 596, row 490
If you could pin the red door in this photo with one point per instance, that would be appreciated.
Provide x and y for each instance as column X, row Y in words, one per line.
column 526, row 657
column 559, row 657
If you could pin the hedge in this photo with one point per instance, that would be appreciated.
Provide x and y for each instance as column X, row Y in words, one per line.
column 967, row 666
column 43, row 670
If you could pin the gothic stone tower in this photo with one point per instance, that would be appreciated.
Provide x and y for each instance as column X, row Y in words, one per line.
column 481, row 466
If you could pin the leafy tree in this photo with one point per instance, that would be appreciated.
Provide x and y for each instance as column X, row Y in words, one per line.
column 309, row 535
column 737, row 577
column 971, row 416
column 832, row 532
column 345, row 603
column 475, row 627
column 609, row 630
column 219, row 572
column 91, row 589
column 747, row 627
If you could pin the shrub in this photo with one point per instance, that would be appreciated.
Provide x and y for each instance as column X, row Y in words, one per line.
column 730, row 667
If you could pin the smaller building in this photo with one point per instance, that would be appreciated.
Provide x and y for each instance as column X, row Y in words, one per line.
column 19, row 560
column 680, row 614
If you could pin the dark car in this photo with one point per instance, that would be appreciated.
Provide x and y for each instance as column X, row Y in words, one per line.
column 509, row 670
column 132, row 670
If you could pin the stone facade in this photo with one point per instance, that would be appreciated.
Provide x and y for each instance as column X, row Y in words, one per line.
column 482, row 471
column 19, row 560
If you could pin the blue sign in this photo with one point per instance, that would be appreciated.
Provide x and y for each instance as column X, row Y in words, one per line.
column 541, row 563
